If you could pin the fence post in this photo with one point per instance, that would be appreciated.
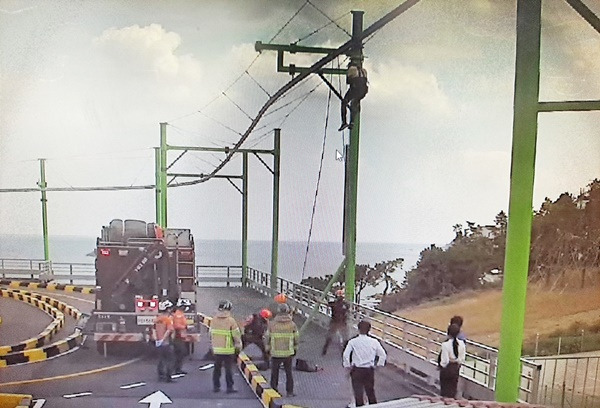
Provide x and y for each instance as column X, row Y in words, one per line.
column 227, row 276
column 537, row 341
column 535, row 384
column 492, row 372
column 559, row 341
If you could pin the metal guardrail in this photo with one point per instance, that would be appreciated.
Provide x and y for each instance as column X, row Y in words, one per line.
column 70, row 273
column 218, row 276
column 569, row 381
column 413, row 346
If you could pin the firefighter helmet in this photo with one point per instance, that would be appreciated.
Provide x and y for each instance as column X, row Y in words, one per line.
column 266, row 314
column 283, row 308
column 281, row 298
column 225, row 305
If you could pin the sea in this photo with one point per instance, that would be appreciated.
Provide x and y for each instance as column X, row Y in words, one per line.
column 323, row 258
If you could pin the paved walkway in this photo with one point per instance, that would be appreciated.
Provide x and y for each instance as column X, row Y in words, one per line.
column 328, row 388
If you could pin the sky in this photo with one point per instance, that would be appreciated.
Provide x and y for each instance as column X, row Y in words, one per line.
column 85, row 85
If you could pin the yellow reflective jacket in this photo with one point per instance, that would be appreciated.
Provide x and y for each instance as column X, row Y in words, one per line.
column 281, row 339
column 225, row 335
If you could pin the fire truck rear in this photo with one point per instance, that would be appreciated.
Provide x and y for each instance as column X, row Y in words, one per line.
column 141, row 269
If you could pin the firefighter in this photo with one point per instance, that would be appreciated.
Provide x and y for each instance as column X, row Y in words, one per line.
column 226, row 343
column 337, row 324
column 356, row 78
column 254, row 331
column 282, row 343
column 162, row 333
column 179, row 343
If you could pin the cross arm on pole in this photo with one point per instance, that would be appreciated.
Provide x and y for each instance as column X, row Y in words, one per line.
column 176, row 159
column 330, row 85
column 264, row 163
column 293, row 49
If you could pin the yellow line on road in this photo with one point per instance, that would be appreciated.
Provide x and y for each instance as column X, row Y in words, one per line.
column 62, row 377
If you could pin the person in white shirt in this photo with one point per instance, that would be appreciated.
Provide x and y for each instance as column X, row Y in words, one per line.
column 453, row 354
column 361, row 355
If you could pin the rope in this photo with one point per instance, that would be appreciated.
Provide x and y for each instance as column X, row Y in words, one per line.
column 312, row 216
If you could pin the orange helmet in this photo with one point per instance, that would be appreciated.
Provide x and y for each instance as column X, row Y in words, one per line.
column 281, row 298
column 266, row 314
column 340, row 293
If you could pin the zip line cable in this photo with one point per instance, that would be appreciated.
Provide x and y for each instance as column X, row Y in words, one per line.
column 344, row 48
column 321, row 28
column 242, row 74
column 314, row 207
column 257, row 83
column 329, row 18
column 237, row 106
column 289, row 21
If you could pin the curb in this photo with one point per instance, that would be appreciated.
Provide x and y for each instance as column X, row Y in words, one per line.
column 16, row 400
column 41, row 339
column 48, row 286
column 30, row 355
column 259, row 384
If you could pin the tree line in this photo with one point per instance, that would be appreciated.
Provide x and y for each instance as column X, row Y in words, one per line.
column 565, row 251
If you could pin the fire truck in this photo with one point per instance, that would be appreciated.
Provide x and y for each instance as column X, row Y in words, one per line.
column 141, row 269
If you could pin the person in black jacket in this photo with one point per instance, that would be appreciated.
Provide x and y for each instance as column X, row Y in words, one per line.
column 337, row 324
column 255, row 329
column 356, row 78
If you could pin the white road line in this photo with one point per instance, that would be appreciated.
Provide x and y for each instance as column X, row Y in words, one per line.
column 135, row 385
column 206, row 367
column 81, row 394
column 39, row 403
column 177, row 375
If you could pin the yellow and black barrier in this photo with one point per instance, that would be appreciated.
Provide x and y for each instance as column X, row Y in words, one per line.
column 46, row 285
column 268, row 396
column 41, row 352
column 42, row 338
column 15, row 400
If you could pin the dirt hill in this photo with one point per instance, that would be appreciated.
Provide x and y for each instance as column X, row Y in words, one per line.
column 546, row 312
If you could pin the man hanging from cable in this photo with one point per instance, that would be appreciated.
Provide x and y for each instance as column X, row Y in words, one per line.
column 356, row 78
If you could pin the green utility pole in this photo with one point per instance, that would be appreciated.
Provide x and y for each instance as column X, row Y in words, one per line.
column 520, row 213
column 158, row 197
column 42, row 184
column 354, row 50
column 245, row 219
column 162, row 185
column 275, row 233
column 351, row 187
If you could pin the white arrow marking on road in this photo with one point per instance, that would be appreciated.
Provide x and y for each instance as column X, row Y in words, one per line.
column 206, row 367
column 39, row 403
column 128, row 386
column 177, row 375
column 156, row 399
column 81, row 394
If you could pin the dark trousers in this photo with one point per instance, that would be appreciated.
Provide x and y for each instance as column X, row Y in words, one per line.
column 287, row 366
column 449, row 380
column 165, row 361
column 221, row 360
column 363, row 380
column 336, row 327
column 180, row 350
column 258, row 340
column 352, row 100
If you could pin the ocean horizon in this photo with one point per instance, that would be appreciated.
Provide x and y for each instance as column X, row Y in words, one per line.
column 323, row 257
